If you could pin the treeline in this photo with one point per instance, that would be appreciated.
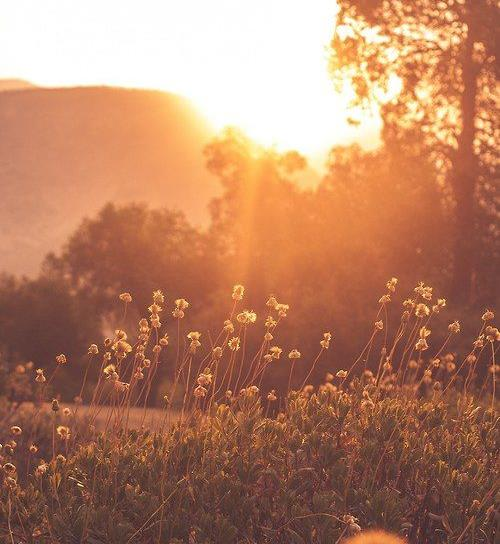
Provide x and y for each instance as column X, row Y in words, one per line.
column 327, row 252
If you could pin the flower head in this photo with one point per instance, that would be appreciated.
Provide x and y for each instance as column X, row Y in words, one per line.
column 63, row 432
column 238, row 291
column 294, row 354
column 126, row 297
column 61, row 359
column 325, row 343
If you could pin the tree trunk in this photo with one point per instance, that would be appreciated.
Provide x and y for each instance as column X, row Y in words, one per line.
column 464, row 182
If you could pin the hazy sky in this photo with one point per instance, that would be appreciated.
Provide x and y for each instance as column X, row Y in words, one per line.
column 259, row 64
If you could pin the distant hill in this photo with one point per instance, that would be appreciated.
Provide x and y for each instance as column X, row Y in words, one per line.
column 64, row 153
column 15, row 84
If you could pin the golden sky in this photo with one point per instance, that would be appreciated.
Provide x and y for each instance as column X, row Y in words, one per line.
column 257, row 64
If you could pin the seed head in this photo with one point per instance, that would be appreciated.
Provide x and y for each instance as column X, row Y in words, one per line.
column 126, row 297
column 238, row 291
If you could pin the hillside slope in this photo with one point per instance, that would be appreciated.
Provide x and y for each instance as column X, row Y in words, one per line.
column 64, row 153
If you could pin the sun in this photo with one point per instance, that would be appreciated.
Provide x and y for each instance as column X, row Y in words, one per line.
column 267, row 73
column 260, row 65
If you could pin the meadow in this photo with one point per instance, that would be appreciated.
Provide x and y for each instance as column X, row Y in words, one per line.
column 403, row 438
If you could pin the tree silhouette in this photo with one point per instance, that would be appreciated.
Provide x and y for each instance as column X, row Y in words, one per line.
column 442, row 55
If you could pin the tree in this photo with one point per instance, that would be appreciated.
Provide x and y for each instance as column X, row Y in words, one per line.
column 442, row 56
column 137, row 249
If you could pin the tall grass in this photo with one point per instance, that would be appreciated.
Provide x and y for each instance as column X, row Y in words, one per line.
column 403, row 438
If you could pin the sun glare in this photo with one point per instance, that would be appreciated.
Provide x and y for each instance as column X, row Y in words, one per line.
column 261, row 65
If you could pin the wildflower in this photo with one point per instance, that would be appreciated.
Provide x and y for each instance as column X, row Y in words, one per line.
column 471, row 358
column 391, row 284
column 78, row 400
column 435, row 362
column 308, row 389
column 454, row 327
column 155, row 309
column 412, row 364
column 379, row 325
column 246, row 317
column 479, row 342
column 20, row 369
column 238, row 291
column 494, row 368
column 61, row 359
column 204, row 379
column 194, row 336
column 139, row 374
column 33, row 448
column 441, row 303
column 492, row 334
column 55, row 405
column 146, row 363
column 158, row 297
column 16, row 430
column 234, row 343
column 120, row 334
column 126, row 297
column 107, row 356
column 408, row 304
column 272, row 302
column 229, row 394
column 155, row 322
column 157, row 349
column 424, row 332
column 282, row 309
column 341, row 374
column 253, row 390
column 181, row 304
column 164, row 340
column 488, row 316
column 275, row 352
column 200, row 392
column 60, row 458
column 268, row 358
column 325, row 343
column 329, row 377
column 422, row 310
column 270, row 322
column 421, row 345
column 41, row 469
column 217, row 352
column 384, row 299
column 63, row 432
column 268, row 337
column 121, row 348
column 294, row 354
column 10, row 483
column 271, row 396
column 228, row 326
column 387, row 366
column 9, row 468
column 424, row 291
column 93, row 349
column 108, row 370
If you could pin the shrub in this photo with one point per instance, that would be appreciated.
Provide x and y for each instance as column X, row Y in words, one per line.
column 405, row 442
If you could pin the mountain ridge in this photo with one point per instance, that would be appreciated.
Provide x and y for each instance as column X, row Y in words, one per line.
column 65, row 152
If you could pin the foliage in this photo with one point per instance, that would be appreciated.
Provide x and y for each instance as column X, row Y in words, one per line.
column 432, row 66
column 409, row 444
